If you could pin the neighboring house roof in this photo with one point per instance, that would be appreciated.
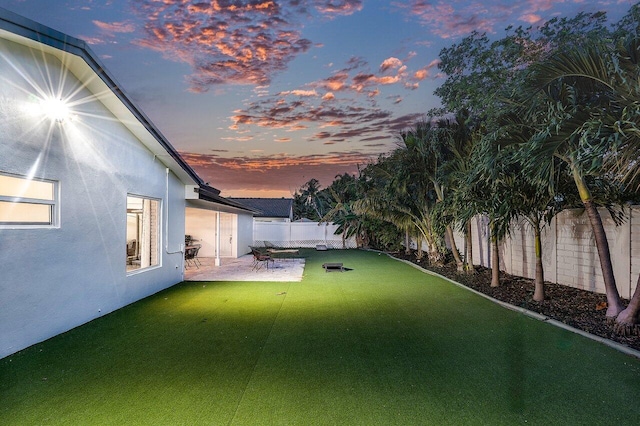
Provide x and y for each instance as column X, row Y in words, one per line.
column 269, row 207
column 211, row 194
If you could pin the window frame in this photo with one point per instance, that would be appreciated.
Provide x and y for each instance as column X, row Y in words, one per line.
column 157, row 238
column 54, row 204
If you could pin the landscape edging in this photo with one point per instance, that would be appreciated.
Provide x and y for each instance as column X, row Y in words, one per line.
column 535, row 315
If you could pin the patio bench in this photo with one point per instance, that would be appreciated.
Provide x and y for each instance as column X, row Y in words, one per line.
column 333, row 266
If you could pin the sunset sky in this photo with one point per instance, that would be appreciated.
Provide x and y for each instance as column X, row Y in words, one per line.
column 261, row 96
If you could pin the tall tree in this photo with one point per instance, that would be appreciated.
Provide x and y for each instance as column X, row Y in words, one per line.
column 582, row 95
column 432, row 145
column 343, row 192
column 608, row 74
column 310, row 201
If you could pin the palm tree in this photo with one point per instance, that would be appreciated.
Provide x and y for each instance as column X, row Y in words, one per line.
column 343, row 192
column 394, row 193
column 588, row 99
column 435, row 147
column 491, row 192
column 312, row 199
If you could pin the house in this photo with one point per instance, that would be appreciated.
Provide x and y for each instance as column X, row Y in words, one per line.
column 94, row 201
column 269, row 209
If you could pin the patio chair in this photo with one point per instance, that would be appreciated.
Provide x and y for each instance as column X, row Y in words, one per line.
column 195, row 256
column 260, row 259
column 189, row 256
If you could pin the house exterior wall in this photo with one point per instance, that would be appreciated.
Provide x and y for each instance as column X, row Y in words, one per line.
column 245, row 234
column 56, row 278
column 201, row 225
column 569, row 253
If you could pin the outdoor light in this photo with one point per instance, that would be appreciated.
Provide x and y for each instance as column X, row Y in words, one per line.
column 56, row 109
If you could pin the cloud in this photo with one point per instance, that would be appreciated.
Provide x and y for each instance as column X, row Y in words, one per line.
column 328, row 96
column 530, row 18
column 231, row 42
column 390, row 63
column 455, row 18
column 356, row 78
column 115, row 27
column 355, row 115
column 300, row 93
column 278, row 172
column 342, row 7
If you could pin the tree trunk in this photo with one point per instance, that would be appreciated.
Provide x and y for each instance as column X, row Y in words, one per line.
column 407, row 242
column 538, row 294
column 627, row 320
column 495, row 262
column 469, row 256
column 614, row 302
column 454, row 249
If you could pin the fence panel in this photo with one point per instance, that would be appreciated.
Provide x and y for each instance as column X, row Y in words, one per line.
column 298, row 235
column 569, row 254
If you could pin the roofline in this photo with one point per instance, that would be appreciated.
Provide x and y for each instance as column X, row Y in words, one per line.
column 208, row 193
column 37, row 32
column 260, row 213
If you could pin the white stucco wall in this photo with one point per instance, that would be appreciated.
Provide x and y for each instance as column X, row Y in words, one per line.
column 54, row 279
column 201, row 225
column 236, row 230
column 245, row 233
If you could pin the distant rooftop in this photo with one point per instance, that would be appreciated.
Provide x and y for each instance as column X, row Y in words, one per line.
column 268, row 207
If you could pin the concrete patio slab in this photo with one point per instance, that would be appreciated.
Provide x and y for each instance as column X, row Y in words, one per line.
column 241, row 269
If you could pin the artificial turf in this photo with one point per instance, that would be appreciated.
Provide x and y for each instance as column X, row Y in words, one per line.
column 382, row 344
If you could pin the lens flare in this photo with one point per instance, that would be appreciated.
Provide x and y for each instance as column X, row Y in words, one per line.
column 56, row 109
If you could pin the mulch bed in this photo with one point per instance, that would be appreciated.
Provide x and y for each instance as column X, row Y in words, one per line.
column 580, row 309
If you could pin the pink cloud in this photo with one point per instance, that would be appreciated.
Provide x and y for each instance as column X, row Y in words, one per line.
column 304, row 93
column 115, row 27
column 530, row 18
column 342, row 7
column 456, row 18
column 282, row 173
column 390, row 63
column 229, row 42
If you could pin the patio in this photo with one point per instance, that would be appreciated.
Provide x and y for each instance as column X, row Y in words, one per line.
column 242, row 269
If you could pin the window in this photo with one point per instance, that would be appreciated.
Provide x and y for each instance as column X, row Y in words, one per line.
column 143, row 240
column 27, row 202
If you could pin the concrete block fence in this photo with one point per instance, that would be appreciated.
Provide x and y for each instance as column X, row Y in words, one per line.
column 569, row 252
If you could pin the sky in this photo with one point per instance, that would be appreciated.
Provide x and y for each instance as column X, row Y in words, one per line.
column 260, row 96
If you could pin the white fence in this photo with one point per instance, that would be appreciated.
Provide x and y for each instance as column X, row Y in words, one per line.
column 298, row 234
column 569, row 252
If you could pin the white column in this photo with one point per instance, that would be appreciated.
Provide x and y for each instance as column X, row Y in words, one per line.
column 217, row 261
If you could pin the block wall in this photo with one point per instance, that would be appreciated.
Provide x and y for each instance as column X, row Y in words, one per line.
column 569, row 252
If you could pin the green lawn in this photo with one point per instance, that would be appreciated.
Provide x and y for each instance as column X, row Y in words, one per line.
column 383, row 344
